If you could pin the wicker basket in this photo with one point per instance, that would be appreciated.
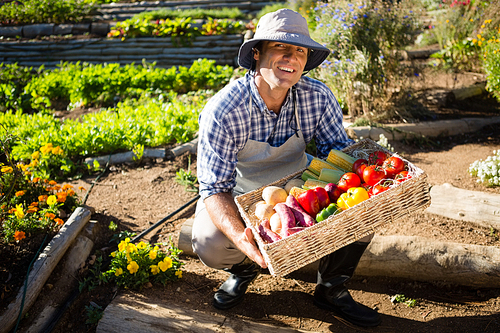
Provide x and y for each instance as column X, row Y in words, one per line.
column 312, row 243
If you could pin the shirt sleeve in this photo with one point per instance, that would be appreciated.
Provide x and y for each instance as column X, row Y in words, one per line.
column 221, row 136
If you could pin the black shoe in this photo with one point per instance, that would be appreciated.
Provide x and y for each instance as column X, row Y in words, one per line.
column 331, row 294
column 231, row 292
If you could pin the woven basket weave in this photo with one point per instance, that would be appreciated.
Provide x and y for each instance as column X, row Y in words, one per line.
column 312, row 243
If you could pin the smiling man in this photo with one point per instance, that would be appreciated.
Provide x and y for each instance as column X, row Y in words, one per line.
column 255, row 131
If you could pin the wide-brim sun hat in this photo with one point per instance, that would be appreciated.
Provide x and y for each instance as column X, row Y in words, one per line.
column 289, row 27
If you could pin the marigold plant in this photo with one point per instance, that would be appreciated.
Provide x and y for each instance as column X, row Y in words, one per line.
column 134, row 265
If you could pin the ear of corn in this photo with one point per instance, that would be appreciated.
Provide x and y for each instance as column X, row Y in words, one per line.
column 296, row 191
column 330, row 176
column 340, row 159
column 310, row 183
column 318, row 164
column 308, row 174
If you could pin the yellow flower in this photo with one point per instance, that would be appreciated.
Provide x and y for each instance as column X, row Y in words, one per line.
column 141, row 245
column 35, row 155
column 133, row 267
column 113, row 254
column 122, row 246
column 153, row 254
column 118, row 272
column 154, row 269
column 131, row 248
column 19, row 211
column 51, row 200
column 178, row 274
column 20, row 193
column 447, row 21
column 57, row 151
column 18, row 235
column 7, row 169
column 479, row 43
column 165, row 264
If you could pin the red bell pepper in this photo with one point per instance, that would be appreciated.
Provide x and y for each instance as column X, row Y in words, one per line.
column 309, row 202
column 323, row 197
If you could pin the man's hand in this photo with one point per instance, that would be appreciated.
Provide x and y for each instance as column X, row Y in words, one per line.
column 249, row 247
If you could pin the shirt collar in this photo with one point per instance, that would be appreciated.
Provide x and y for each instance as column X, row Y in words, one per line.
column 257, row 99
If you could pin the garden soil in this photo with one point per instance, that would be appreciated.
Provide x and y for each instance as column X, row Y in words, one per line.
column 135, row 196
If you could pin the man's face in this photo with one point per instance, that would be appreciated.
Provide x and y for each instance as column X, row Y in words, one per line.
column 281, row 65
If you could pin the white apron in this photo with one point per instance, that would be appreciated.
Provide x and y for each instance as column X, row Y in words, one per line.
column 259, row 163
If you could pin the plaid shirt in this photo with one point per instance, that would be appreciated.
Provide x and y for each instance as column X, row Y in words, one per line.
column 225, row 127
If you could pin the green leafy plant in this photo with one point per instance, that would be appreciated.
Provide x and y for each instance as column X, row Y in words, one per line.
column 187, row 178
column 222, row 27
column 94, row 313
column 113, row 226
column 487, row 171
column 489, row 41
column 194, row 13
column 122, row 235
column 399, row 298
column 365, row 38
column 133, row 265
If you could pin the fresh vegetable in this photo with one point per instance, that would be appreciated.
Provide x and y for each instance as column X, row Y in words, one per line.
column 313, row 183
column 330, row 176
column 352, row 197
column 340, row 159
column 309, row 202
column 358, row 166
column 377, row 158
column 379, row 188
column 264, row 210
column 393, row 165
column 323, row 197
column 307, row 174
column 275, row 223
column 287, row 219
column 328, row 211
column 274, row 194
column 302, row 218
column 333, row 191
column 348, row 180
column 402, row 176
column 266, row 233
column 373, row 174
column 296, row 191
column 318, row 164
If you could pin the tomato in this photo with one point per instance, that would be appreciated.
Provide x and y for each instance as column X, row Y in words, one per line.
column 379, row 188
column 373, row 174
column 393, row 165
column 334, row 191
column 402, row 176
column 348, row 180
column 377, row 157
column 358, row 166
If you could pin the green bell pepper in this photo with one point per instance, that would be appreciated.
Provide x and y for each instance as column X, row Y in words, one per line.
column 326, row 212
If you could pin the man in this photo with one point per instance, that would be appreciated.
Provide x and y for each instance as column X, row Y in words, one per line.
column 255, row 131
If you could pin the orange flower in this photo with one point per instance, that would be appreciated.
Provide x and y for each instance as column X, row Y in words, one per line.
column 36, row 179
column 81, row 188
column 20, row 193
column 18, row 235
column 52, row 182
column 71, row 192
column 34, row 204
column 50, row 215
column 59, row 221
column 32, row 209
column 61, row 196
column 43, row 197
column 67, row 186
column 57, row 188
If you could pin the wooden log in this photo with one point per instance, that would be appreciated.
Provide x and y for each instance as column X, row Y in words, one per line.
column 467, row 92
column 480, row 208
column 44, row 265
column 130, row 314
column 422, row 259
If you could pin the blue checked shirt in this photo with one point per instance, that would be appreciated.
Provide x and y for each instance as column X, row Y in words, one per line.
column 225, row 127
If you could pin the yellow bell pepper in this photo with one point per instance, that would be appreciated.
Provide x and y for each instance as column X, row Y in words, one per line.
column 352, row 197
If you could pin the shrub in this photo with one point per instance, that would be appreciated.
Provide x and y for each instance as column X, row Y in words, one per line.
column 365, row 37
column 487, row 171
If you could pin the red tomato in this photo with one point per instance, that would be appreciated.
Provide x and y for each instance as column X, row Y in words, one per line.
column 358, row 166
column 379, row 188
column 377, row 157
column 402, row 176
column 373, row 174
column 393, row 165
column 348, row 180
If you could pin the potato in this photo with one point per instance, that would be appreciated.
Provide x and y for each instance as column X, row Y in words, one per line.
column 274, row 194
column 264, row 211
column 251, row 209
column 296, row 182
column 275, row 223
